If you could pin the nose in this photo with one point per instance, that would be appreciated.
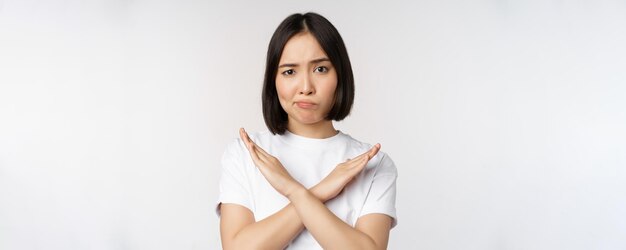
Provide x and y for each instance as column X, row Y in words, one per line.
column 306, row 87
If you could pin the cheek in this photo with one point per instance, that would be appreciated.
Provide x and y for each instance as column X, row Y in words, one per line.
column 330, row 86
column 282, row 91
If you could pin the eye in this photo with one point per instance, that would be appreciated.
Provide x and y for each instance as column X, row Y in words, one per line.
column 288, row 72
column 321, row 69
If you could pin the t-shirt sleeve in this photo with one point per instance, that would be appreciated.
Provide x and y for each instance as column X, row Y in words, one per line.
column 381, row 197
column 234, row 186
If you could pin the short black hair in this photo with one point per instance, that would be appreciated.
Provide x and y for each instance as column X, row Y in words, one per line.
column 328, row 37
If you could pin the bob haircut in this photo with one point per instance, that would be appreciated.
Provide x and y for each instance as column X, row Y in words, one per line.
column 329, row 39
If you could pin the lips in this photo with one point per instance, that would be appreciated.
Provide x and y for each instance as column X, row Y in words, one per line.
column 306, row 105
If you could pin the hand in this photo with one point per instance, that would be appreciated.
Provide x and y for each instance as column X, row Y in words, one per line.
column 334, row 183
column 270, row 167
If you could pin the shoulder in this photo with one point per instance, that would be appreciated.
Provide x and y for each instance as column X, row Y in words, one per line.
column 236, row 157
column 385, row 164
column 382, row 162
column 261, row 138
column 355, row 144
column 237, row 147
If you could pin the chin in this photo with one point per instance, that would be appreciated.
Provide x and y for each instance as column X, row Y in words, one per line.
column 308, row 120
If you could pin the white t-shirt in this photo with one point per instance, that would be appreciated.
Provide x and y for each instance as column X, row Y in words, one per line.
column 308, row 160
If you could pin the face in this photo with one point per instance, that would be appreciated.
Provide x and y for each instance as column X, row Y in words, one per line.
column 306, row 81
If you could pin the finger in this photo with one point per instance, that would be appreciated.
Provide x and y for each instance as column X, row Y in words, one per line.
column 356, row 162
column 372, row 152
column 249, row 145
column 244, row 137
column 358, row 165
column 255, row 157
column 357, row 158
column 263, row 152
column 248, row 137
column 258, row 151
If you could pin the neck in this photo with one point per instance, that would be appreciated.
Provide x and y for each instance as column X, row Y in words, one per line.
column 320, row 130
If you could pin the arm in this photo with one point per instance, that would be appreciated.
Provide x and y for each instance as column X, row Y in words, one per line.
column 240, row 231
column 372, row 231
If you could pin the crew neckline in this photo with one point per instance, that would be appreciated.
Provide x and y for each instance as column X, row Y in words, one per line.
column 302, row 141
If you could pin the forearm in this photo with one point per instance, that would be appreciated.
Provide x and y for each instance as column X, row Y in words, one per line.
column 329, row 231
column 273, row 232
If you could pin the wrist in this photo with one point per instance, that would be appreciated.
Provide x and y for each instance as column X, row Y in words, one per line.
column 319, row 193
column 298, row 192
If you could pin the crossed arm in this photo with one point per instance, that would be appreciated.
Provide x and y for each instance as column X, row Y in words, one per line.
column 306, row 209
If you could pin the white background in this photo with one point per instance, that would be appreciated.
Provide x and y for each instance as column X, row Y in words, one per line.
column 506, row 119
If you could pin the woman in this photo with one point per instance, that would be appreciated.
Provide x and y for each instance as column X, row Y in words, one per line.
column 303, row 184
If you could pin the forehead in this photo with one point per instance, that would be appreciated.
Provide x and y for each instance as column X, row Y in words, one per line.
column 301, row 48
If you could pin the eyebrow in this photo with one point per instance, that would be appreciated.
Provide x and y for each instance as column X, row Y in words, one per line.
column 323, row 59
